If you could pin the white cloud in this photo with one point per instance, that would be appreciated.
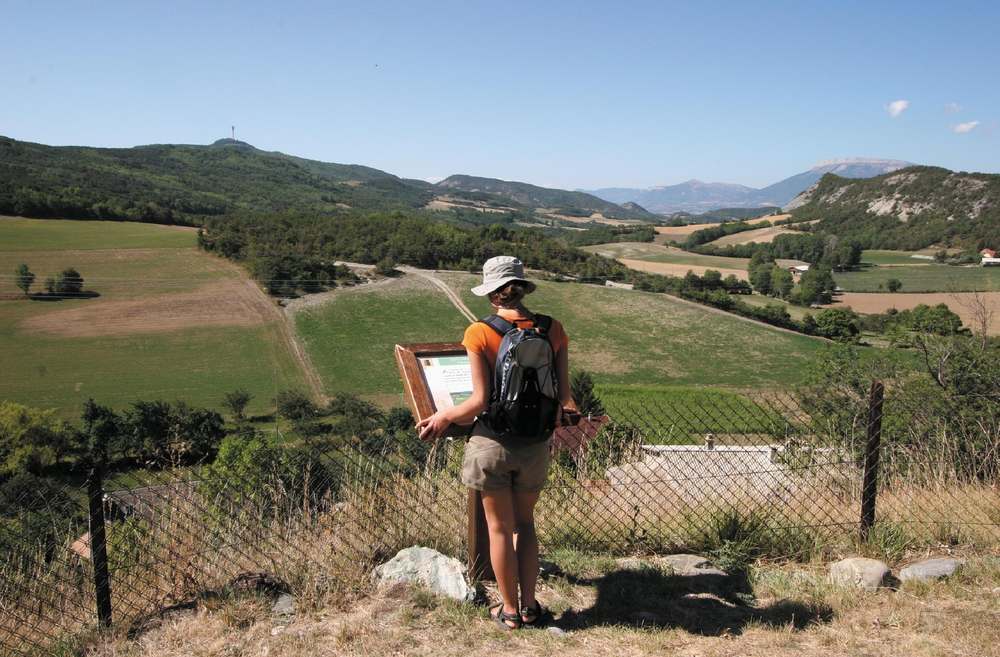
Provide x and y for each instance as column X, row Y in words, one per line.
column 952, row 108
column 897, row 107
column 963, row 128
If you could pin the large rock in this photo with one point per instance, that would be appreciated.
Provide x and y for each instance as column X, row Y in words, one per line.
column 868, row 574
column 930, row 569
column 419, row 565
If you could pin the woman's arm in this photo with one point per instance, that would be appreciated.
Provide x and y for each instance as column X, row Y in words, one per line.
column 434, row 426
column 562, row 374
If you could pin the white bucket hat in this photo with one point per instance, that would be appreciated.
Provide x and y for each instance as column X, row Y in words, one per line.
column 499, row 271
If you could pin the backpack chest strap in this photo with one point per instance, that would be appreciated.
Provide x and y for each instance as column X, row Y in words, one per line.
column 502, row 326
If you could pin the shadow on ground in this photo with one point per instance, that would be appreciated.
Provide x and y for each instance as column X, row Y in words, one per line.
column 709, row 605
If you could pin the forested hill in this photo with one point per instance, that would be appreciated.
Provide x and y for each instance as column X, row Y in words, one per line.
column 524, row 194
column 177, row 183
column 167, row 182
column 909, row 209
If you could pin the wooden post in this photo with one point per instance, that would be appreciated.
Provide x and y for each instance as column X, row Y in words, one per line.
column 99, row 547
column 869, row 490
column 480, row 567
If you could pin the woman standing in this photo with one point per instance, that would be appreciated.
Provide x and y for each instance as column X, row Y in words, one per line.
column 509, row 473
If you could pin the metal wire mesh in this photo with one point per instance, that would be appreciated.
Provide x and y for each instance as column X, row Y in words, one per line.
column 687, row 472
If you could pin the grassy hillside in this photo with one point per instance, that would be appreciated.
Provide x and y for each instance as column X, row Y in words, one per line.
column 908, row 209
column 171, row 322
column 167, row 183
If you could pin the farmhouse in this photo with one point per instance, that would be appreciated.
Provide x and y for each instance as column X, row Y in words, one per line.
column 798, row 270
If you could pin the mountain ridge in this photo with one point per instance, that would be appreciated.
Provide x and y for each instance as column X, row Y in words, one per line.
column 698, row 196
column 908, row 209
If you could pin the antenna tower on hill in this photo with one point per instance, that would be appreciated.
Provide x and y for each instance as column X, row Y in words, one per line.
column 234, row 132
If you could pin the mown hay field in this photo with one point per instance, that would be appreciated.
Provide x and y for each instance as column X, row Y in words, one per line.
column 170, row 321
column 630, row 337
column 967, row 305
column 350, row 338
column 668, row 254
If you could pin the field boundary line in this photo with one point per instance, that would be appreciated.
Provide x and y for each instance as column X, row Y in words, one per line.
column 441, row 285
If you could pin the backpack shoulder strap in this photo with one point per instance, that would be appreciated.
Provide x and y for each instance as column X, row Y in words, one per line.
column 498, row 324
column 543, row 322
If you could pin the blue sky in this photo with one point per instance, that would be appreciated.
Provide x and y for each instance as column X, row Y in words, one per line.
column 568, row 94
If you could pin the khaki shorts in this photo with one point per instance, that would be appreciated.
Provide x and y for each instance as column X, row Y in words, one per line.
column 489, row 465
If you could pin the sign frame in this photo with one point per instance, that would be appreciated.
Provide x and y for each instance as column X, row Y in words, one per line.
column 416, row 390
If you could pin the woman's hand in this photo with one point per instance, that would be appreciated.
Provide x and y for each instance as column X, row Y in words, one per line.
column 434, row 426
column 568, row 415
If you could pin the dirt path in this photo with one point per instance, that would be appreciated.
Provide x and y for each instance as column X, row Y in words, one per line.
column 441, row 285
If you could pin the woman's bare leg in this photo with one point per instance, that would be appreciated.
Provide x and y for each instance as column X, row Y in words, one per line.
column 498, row 506
column 526, row 545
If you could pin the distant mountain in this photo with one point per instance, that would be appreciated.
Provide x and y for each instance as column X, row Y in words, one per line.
column 692, row 196
column 697, row 197
column 910, row 209
column 578, row 204
column 177, row 182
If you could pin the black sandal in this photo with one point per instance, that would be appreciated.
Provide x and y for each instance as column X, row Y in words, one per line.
column 501, row 618
column 542, row 616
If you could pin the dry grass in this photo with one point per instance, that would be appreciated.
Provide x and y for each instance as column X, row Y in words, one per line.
column 606, row 609
column 227, row 303
column 960, row 303
column 758, row 235
column 674, row 269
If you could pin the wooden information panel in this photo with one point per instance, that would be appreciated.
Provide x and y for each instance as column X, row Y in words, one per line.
column 435, row 375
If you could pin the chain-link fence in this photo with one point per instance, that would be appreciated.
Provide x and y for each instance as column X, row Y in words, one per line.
column 782, row 475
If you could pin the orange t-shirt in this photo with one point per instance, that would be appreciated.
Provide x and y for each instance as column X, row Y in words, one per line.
column 481, row 339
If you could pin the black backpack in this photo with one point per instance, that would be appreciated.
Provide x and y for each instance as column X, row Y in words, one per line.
column 524, row 398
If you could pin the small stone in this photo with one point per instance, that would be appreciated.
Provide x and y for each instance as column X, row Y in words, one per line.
column 441, row 574
column 930, row 569
column 277, row 629
column 996, row 591
column 867, row 574
column 558, row 631
column 284, row 605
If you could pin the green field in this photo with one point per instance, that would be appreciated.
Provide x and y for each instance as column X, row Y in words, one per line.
column 350, row 339
column 659, row 253
column 52, row 369
column 646, row 338
column 17, row 234
column 929, row 277
column 881, row 257
column 682, row 415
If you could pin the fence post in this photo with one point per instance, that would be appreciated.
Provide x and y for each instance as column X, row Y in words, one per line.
column 869, row 490
column 99, row 546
